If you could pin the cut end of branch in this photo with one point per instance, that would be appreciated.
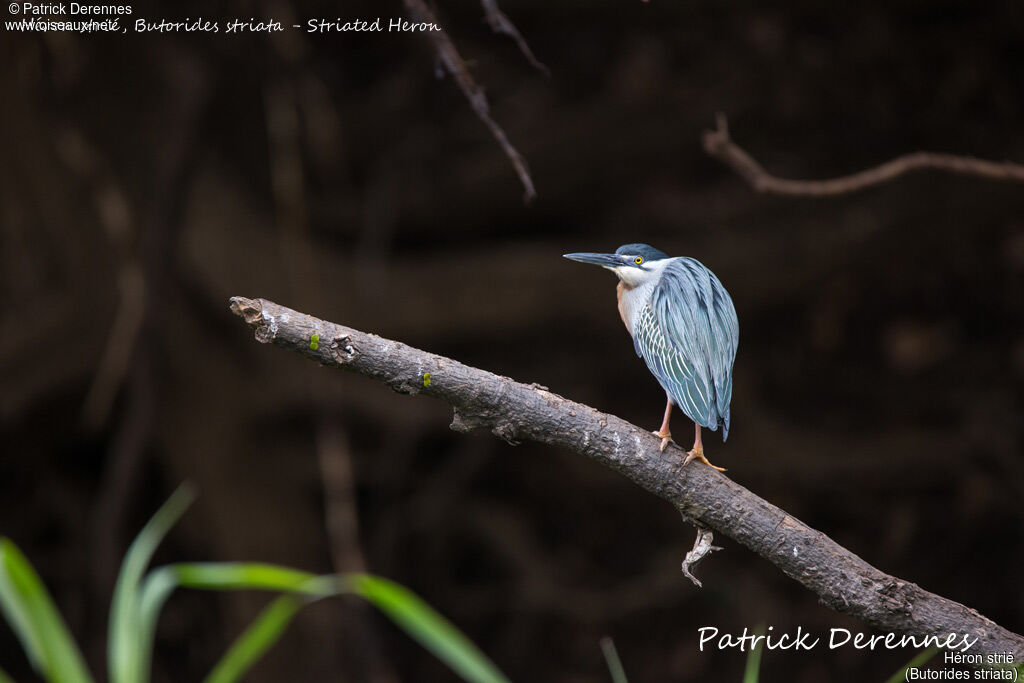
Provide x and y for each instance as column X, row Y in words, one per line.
column 251, row 311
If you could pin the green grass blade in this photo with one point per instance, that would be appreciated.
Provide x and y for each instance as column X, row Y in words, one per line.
column 4, row 678
column 752, row 672
column 261, row 635
column 30, row 611
column 418, row 619
column 919, row 659
column 611, row 657
column 252, row 576
column 426, row 626
column 161, row 582
column 153, row 593
column 125, row 650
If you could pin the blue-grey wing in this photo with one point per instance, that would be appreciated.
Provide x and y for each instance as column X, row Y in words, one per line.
column 688, row 336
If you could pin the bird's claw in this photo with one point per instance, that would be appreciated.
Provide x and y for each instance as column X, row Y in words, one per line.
column 698, row 454
column 666, row 439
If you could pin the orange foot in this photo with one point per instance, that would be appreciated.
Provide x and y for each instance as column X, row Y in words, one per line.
column 698, row 454
column 666, row 438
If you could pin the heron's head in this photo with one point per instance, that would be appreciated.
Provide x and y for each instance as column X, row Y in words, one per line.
column 633, row 263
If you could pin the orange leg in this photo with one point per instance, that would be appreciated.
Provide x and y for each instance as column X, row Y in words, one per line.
column 697, row 452
column 664, row 434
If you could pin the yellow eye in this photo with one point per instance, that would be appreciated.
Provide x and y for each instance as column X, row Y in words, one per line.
column 638, row 260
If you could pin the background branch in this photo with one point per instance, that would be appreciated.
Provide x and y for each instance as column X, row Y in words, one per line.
column 500, row 23
column 515, row 411
column 453, row 63
column 719, row 145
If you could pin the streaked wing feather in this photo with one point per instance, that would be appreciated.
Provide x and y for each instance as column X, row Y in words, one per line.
column 688, row 336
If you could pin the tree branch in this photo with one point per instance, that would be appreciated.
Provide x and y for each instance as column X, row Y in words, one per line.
column 456, row 66
column 500, row 23
column 514, row 412
column 719, row 145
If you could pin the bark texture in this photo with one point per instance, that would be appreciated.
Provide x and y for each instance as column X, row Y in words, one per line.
column 514, row 411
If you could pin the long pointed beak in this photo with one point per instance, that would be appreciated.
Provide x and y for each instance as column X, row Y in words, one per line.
column 605, row 260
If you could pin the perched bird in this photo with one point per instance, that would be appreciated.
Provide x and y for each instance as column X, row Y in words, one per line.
column 685, row 328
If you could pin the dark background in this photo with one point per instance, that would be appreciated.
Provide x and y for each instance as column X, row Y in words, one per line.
column 145, row 179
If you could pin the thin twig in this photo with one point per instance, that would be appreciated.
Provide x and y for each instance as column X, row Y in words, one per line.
column 719, row 145
column 500, row 23
column 514, row 411
column 456, row 66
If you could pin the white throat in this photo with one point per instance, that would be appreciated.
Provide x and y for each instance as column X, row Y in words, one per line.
column 638, row 284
